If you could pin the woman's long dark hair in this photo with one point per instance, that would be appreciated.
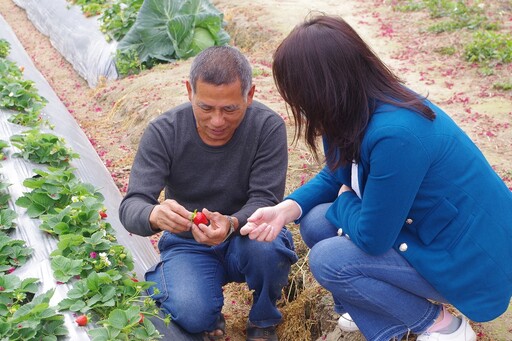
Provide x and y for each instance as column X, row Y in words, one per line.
column 331, row 80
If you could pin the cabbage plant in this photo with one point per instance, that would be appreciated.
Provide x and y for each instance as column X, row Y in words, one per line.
column 168, row 30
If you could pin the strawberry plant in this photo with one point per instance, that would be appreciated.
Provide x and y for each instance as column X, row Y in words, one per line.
column 42, row 148
column 7, row 215
column 24, row 316
column 115, row 300
column 79, row 218
column 54, row 189
column 87, row 254
column 21, row 95
column 3, row 144
column 5, row 48
column 125, row 324
column 13, row 253
column 79, row 255
column 9, row 69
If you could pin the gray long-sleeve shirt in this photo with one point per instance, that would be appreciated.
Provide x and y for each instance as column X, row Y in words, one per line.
column 234, row 179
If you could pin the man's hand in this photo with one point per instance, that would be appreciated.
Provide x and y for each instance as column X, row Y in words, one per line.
column 170, row 216
column 213, row 234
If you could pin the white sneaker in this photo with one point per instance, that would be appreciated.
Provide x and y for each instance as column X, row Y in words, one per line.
column 464, row 333
column 346, row 323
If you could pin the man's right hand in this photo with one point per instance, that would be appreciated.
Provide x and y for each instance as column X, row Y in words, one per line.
column 170, row 216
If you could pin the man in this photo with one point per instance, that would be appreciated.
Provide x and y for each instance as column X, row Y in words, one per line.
column 224, row 155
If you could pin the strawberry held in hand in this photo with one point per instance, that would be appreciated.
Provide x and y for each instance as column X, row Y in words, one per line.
column 199, row 218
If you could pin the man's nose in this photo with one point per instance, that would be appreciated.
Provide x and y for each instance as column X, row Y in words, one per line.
column 217, row 118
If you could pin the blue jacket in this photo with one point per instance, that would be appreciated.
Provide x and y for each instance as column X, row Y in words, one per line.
column 429, row 193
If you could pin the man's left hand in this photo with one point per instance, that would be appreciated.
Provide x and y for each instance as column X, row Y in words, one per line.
column 213, row 234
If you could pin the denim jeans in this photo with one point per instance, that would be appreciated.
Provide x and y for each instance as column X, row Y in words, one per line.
column 383, row 294
column 190, row 276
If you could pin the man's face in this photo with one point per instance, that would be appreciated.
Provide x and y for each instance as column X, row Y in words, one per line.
column 218, row 110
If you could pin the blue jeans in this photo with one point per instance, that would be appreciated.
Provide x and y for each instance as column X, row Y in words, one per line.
column 190, row 276
column 383, row 294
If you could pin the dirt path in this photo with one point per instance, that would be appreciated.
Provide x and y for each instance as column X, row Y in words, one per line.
column 114, row 114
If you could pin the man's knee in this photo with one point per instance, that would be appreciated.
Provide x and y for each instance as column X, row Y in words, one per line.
column 193, row 317
column 267, row 254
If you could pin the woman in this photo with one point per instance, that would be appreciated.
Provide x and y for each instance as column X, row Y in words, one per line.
column 407, row 213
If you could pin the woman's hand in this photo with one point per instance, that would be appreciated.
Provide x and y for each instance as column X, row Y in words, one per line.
column 266, row 223
column 344, row 188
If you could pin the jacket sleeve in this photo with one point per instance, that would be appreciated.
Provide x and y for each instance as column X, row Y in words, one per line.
column 322, row 188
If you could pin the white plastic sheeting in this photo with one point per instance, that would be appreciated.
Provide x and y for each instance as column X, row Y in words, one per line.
column 76, row 37
column 89, row 169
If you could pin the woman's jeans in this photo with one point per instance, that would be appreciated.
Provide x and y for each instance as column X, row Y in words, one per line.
column 383, row 294
column 190, row 276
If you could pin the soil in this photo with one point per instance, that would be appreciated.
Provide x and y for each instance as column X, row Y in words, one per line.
column 114, row 114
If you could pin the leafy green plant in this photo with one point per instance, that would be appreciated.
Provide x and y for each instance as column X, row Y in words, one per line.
column 503, row 86
column 489, row 46
column 52, row 190
column 91, row 7
column 125, row 324
column 447, row 50
column 460, row 14
column 42, row 148
column 20, row 95
column 9, row 69
column 7, row 215
column 119, row 17
column 128, row 63
column 97, row 253
column 79, row 217
column 174, row 29
column 118, row 302
column 3, row 144
column 13, row 253
column 24, row 316
column 5, row 48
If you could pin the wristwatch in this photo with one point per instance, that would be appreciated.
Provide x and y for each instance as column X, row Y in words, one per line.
column 231, row 228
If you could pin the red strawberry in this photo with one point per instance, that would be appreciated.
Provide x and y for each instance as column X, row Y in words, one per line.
column 141, row 320
column 81, row 320
column 103, row 214
column 199, row 218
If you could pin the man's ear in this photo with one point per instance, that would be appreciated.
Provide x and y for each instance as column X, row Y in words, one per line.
column 250, row 94
column 189, row 90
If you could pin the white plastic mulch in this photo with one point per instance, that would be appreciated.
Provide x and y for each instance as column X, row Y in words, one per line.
column 77, row 38
column 89, row 169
